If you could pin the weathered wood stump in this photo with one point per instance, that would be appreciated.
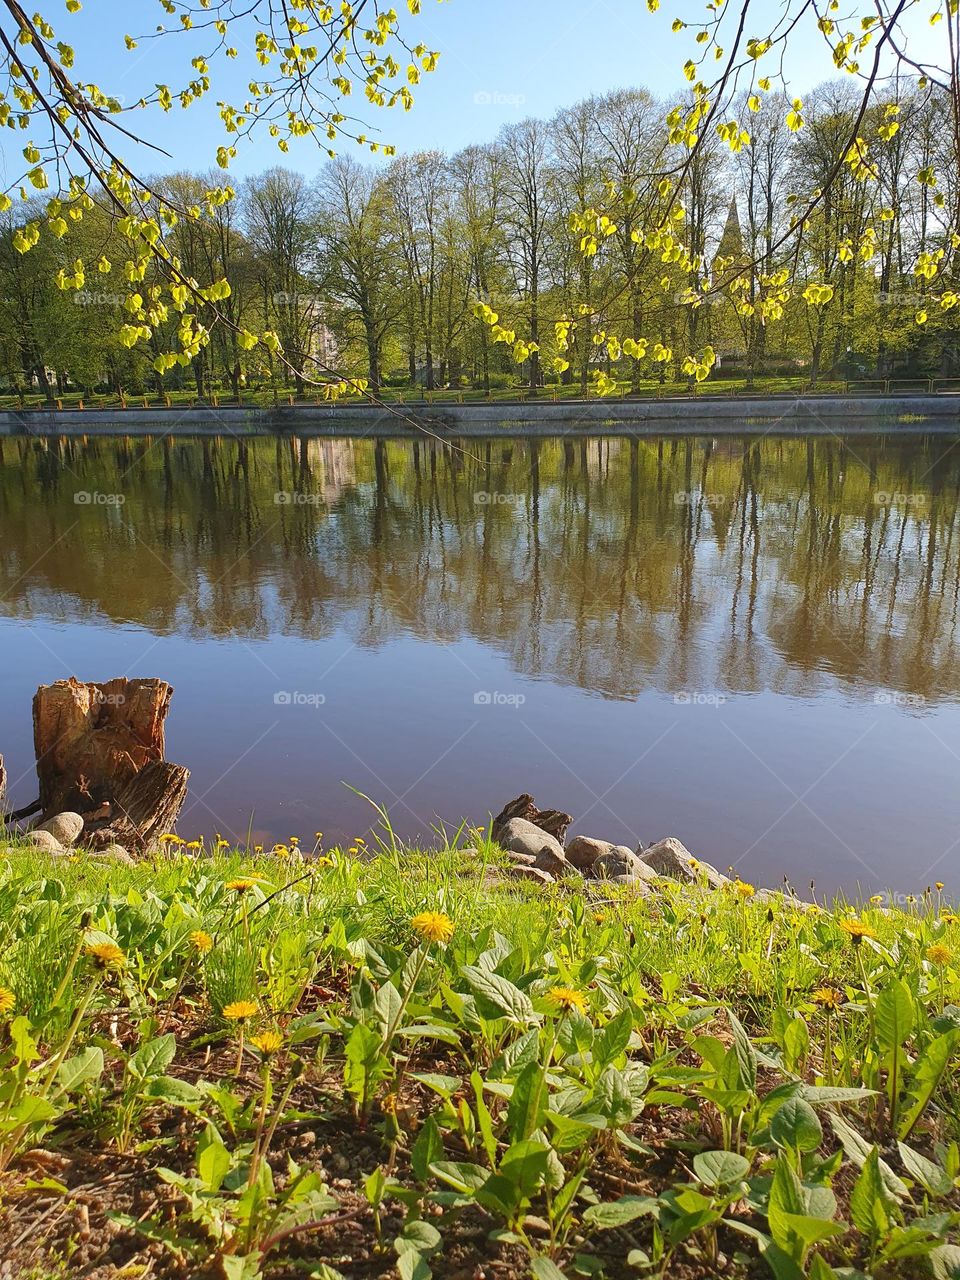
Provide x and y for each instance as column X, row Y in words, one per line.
column 99, row 751
column 553, row 821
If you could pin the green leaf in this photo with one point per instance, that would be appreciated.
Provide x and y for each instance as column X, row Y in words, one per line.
column 528, row 1102
column 930, row 1175
column 213, row 1159
column 786, row 1201
column 868, row 1208
column 153, row 1057
column 821, row 1095
column 525, row 1164
column 544, row 1269
column 894, row 1014
column 858, row 1149
column 614, row 1099
column 720, row 1168
column 75, row 1071
column 460, row 1175
column 746, row 1054
column 927, row 1075
column 796, row 1125
column 427, row 1149
column 617, row 1213
column 506, row 998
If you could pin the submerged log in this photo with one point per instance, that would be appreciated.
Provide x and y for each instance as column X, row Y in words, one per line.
column 553, row 821
column 99, row 751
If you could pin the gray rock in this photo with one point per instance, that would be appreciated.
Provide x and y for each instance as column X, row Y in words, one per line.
column 117, row 853
column 64, row 827
column 583, row 851
column 618, row 860
column 521, row 872
column 520, row 836
column 44, row 841
column 671, row 858
column 640, row 886
column 521, row 859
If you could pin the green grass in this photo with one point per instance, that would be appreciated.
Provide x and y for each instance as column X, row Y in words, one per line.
column 650, row 387
column 558, row 1081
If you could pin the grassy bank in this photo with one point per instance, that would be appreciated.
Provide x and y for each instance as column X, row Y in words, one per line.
column 405, row 1066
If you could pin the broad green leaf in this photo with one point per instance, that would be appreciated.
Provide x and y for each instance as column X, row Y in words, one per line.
column 868, row 1206
column 617, row 1213
column 153, row 1057
column 75, row 1071
column 930, row 1175
column 796, row 1125
column 720, row 1168
column 927, row 1075
column 894, row 1014
column 506, row 998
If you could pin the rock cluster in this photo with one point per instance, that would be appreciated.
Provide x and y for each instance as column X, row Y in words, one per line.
column 59, row 834
column 537, row 855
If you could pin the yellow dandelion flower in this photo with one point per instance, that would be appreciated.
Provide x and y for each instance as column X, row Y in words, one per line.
column 194, row 844
column 744, row 890
column 169, row 838
column 240, row 1010
column 877, row 899
column 201, row 941
column 324, row 862
column 938, row 954
column 827, row 998
column 599, row 917
column 258, row 848
column 433, row 926
column 294, row 840
column 856, row 929
column 240, row 885
column 7, row 1000
column 222, row 844
column 566, row 999
column 280, row 851
column 268, row 1042
column 318, row 835
column 949, row 918
column 938, row 886
column 106, row 955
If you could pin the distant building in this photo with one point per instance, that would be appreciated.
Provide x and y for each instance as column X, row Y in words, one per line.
column 730, row 260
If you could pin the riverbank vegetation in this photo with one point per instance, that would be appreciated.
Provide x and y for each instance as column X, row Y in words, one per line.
column 216, row 1064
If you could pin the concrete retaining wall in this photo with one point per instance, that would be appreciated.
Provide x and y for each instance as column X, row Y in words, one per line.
column 829, row 415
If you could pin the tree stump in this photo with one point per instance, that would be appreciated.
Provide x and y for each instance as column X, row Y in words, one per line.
column 553, row 821
column 99, row 751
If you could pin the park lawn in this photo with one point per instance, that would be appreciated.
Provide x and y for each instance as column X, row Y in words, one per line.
column 222, row 1065
column 283, row 396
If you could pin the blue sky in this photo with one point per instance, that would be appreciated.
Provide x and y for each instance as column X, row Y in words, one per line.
column 501, row 60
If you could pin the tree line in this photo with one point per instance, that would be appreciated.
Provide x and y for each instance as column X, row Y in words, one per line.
column 382, row 271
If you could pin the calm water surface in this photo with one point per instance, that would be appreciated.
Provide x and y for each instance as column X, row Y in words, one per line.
column 751, row 644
